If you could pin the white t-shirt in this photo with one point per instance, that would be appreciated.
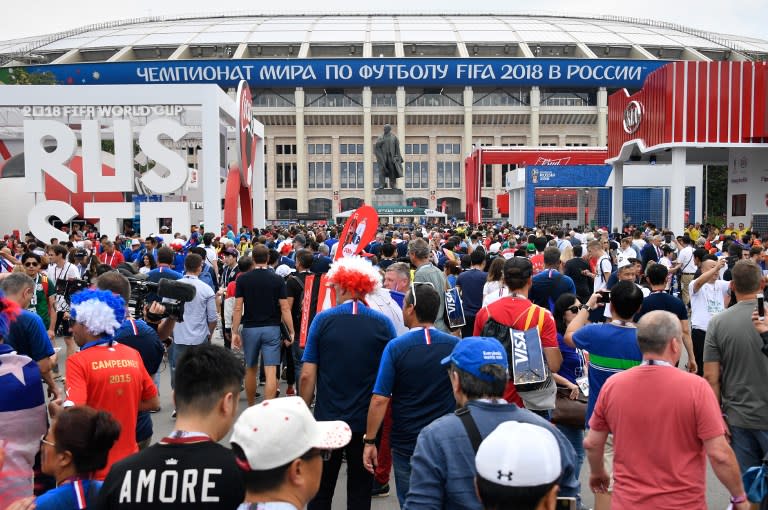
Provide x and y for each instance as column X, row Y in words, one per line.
column 603, row 266
column 685, row 258
column 491, row 287
column 497, row 294
column 68, row 272
column 211, row 255
column 709, row 300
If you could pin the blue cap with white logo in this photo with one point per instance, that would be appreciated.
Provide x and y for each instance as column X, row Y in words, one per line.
column 473, row 353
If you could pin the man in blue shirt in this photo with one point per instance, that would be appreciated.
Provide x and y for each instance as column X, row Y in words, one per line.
column 443, row 463
column 342, row 355
column 550, row 284
column 162, row 271
column 471, row 283
column 411, row 376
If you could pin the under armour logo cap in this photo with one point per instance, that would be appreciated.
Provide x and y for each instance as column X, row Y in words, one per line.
column 519, row 454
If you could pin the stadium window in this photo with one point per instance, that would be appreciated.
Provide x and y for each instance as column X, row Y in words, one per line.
column 487, row 176
column 416, row 174
column 319, row 175
column 448, row 174
column 285, row 175
column 352, row 174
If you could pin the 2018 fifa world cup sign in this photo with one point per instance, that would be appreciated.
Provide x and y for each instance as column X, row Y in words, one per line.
column 71, row 175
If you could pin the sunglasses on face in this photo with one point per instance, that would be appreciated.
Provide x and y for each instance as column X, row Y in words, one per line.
column 573, row 309
column 31, row 264
column 72, row 322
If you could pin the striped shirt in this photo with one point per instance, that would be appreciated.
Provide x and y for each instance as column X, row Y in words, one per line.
column 612, row 349
column 24, row 421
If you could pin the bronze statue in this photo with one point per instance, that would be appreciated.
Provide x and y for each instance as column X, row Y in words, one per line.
column 387, row 150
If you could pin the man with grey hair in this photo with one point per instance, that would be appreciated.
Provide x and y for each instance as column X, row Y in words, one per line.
column 681, row 403
column 427, row 273
column 397, row 277
column 27, row 334
column 736, row 368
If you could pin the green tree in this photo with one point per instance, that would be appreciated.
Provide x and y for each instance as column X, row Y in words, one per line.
column 20, row 76
column 716, row 194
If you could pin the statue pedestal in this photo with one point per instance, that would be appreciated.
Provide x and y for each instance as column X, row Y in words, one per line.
column 385, row 197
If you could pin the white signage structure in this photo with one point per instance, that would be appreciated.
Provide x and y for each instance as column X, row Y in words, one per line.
column 62, row 121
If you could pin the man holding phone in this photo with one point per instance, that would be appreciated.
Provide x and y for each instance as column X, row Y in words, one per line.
column 737, row 369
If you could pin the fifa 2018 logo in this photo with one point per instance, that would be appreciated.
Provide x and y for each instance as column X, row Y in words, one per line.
column 633, row 116
column 519, row 347
column 534, row 176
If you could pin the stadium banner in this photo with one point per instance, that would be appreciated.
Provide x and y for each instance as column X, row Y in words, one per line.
column 360, row 72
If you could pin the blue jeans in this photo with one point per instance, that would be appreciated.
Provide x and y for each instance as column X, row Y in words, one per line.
column 264, row 340
column 749, row 445
column 175, row 354
column 402, row 464
column 576, row 437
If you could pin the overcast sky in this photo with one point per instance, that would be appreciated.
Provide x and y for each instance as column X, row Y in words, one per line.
column 741, row 17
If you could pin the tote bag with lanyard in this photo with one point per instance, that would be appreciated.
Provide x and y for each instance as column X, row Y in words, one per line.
column 527, row 363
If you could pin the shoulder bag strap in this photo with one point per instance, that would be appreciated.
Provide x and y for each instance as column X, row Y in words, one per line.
column 470, row 426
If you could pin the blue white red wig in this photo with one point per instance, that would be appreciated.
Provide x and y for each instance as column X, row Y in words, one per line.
column 9, row 310
column 101, row 311
column 355, row 274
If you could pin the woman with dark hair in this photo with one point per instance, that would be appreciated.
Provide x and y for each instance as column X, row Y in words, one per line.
column 147, row 263
column 494, row 287
column 76, row 445
column 572, row 368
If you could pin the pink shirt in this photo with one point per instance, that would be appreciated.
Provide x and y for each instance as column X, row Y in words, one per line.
column 660, row 417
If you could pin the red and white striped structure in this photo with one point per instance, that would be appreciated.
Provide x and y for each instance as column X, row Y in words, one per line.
column 698, row 112
column 693, row 104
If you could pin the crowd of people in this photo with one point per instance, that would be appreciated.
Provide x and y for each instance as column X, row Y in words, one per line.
column 636, row 355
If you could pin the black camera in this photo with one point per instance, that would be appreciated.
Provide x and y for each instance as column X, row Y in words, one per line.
column 68, row 287
column 173, row 295
column 605, row 296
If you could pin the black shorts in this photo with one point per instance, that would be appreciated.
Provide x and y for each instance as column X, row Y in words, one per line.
column 62, row 325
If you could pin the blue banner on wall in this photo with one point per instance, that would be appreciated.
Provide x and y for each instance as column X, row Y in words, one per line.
column 352, row 73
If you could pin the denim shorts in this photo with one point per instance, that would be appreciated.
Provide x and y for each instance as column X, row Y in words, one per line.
column 264, row 340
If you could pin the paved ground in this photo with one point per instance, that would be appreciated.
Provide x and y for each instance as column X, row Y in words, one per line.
column 717, row 496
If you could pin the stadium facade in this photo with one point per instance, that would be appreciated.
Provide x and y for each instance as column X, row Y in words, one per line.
column 325, row 85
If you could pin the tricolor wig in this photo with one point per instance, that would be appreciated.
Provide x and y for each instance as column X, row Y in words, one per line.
column 100, row 311
column 9, row 310
column 355, row 275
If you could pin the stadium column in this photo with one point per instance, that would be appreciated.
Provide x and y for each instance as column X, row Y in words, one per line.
column 535, row 101
column 677, row 191
column 302, row 202
column 602, row 117
column 400, row 98
column 468, row 100
column 617, row 199
column 368, row 183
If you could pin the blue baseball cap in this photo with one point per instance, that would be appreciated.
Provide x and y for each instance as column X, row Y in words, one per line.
column 473, row 353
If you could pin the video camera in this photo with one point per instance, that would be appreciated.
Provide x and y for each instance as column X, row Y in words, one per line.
column 173, row 294
column 68, row 287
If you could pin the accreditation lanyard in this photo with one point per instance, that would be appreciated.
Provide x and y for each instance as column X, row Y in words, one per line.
column 656, row 362
column 96, row 342
column 184, row 437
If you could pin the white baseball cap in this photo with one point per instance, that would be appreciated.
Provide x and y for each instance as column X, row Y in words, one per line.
column 519, row 454
column 279, row 431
